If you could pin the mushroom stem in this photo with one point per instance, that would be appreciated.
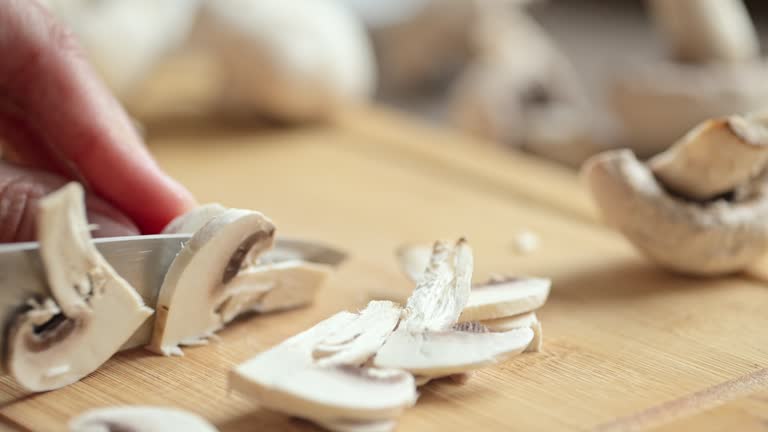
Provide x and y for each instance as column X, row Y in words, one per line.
column 704, row 31
column 714, row 158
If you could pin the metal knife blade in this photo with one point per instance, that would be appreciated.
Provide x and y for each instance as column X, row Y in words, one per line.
column 142, row 260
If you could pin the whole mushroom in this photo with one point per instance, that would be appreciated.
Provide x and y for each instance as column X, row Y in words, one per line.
column 713, row 69
column 699, row 208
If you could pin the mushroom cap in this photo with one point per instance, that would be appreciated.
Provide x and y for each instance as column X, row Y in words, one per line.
column 139, row 419
column 660, row 102
column 194, row 219
column 710, row 238
column 292, row 60
column 51, row 345
column 196, row 283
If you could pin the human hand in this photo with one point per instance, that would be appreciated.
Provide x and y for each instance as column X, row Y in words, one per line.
column 58, row 122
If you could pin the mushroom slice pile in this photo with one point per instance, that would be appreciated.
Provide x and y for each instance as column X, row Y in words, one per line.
column 59, row 340
column 290, row 379
column 429, row 342
column 501, row 304
column 214, row 278
column 139, row 419
column 716, row 222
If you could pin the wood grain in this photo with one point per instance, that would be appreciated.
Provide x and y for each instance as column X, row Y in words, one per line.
column 623, row 340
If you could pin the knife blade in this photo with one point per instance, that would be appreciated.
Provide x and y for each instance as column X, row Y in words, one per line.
column 142, row 260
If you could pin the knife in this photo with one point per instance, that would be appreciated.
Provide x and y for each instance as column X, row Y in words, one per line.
column 142, row 260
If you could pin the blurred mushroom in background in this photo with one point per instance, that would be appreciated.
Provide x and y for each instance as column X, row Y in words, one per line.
column 292, row 61
column 713, row 68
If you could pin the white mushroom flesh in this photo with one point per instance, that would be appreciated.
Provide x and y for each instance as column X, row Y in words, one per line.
column 525, row 320
column 95, row 311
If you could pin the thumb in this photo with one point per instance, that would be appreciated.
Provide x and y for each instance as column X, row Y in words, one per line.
column 22, row 188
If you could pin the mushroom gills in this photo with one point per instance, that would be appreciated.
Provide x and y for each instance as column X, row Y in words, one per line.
column 139, row 419
column 91, row 306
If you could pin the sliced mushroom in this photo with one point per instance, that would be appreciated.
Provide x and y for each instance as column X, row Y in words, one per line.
column 525, row 320
column 413, row 259
column 714, row 158
column 273, row 287
column 139, row 419
column 443, row 291
column 700, row 238
column 198, row 283
column 92, row 312
column 355, row 343
column 505, row 297
column 700, row 31
column 438, row 353
column 287, row 379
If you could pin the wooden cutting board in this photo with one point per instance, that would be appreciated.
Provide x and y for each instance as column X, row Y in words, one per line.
column 627, row 346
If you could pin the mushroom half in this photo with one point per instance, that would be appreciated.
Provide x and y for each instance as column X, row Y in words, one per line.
column 92, row 310
column 214, row 279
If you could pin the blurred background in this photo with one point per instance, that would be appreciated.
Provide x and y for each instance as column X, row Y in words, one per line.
column 561, row 79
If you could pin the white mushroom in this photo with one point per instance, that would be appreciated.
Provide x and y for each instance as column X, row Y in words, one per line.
column 497, row 298
column 505, row 297
column 287, row 378
column 139, row 419
column 524, row 320
column 701, row 31
column 306, row 73
column 93, row 310
column 213, row 280
column 701, row 238
column 126, row 39
column 714, row 70
column 526, row 242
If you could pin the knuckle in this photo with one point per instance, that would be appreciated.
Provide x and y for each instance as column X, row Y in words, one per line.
column 19, row 196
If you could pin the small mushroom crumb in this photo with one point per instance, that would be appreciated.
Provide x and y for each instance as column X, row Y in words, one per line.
column 526, row 242
column 139, row 419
